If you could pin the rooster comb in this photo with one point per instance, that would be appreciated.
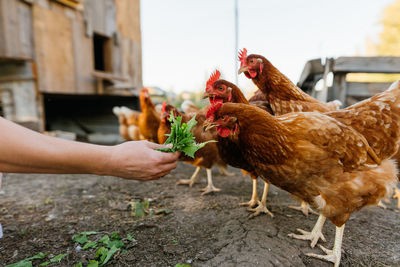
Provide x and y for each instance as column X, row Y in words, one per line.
column 213, row 78
column 164, row 105
column 243, row 55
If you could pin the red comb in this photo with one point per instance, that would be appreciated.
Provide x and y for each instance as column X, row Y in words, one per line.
column 243, row 57
column 212, row 109
column 164, row 105
column 213, row 78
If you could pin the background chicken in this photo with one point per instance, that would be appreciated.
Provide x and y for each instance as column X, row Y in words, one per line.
column 282, row 94
column 128, row 123
column 149, row 119
column 315, row 158
column 205, row 157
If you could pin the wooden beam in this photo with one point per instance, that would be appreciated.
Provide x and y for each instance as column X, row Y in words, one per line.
column 367, row 65
column 340, row 88
column 109, row 76
column 364, row 89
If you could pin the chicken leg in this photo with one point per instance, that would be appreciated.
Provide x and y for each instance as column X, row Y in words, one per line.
column 224, row 171
column 304, row 208
column 335, row 254
column 254, row 197
column 315, row 234
column 262, row 205
column 192, row 179
column 397, row 195
column 210, row 187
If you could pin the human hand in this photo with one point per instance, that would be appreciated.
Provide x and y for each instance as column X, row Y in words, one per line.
column 139, row 160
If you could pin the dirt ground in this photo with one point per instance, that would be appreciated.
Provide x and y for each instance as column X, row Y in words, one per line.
column 41, row 213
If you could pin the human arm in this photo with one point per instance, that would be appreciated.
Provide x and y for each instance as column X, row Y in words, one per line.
column 26, row 151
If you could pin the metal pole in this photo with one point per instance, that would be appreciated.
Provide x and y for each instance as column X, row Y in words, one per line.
column 236, row 40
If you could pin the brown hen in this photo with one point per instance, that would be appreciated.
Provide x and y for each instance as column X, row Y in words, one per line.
column 321, row 159
column 205, row 157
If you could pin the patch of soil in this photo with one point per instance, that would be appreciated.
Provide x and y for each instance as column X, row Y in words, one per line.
column 41, row 213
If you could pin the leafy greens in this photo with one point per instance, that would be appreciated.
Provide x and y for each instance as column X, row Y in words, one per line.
column 181, row 137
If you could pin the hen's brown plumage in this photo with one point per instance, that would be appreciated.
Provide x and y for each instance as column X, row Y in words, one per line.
column 149, row 119
column 378, row 119
column 314, row 157
column 282, row 95
column 128, row 123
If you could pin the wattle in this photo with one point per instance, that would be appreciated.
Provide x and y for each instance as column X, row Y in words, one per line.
column 223, row 132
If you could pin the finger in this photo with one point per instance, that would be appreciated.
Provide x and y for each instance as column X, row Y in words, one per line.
column 166, row 158
column 157, row 176
column 169, row 166
column 155, row 146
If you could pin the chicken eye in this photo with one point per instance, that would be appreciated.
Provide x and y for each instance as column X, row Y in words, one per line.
column 221, row 88
column 251, row 61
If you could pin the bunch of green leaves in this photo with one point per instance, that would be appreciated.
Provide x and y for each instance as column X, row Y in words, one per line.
column 181, row 137
column 107, row 246
column 28, row 261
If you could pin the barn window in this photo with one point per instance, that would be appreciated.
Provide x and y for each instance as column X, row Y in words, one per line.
column 102, row 53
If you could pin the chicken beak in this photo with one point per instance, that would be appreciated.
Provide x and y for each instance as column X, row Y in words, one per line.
column 208, row 126
column 243, row 69
column 206, row 95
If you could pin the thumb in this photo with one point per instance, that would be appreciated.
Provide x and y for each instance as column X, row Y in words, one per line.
column 155, row 146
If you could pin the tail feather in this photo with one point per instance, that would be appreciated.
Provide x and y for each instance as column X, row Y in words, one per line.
column 335, row 104
column 117, row 111
column 395, row 85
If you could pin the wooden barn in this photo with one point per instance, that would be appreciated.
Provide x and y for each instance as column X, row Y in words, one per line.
column 65, row 63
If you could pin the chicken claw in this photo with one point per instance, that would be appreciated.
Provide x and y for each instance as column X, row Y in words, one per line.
column 304, row 208
column 397, row 195
column 225, row 172
column 383, row 206
column 261, row 208
column 314, row 235
column 262, row 205
column 210, row 187
column 254, row 197
column 192, row 179
column 251, row 203
column 335, row 254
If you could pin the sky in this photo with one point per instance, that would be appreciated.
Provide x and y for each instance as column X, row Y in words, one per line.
column 183, row 41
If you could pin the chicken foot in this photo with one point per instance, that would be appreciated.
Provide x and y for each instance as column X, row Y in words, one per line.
column 210, row 187
column 224, row 171
column 397, row 195
column 314, row 235
column 304, row 208
column 254, row 197
column 335, row 254
column 262, row 205
column 192, row 179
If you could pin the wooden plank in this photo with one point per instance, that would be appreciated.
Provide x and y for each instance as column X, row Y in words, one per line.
column 128, row 19
column 54, row 51
column 365, row 89
column 100, row 17
column 367, row 65
column 70, row 3
column 340, row 88
column 136, row 61
column 25, row 30
column 83, row 54
column 16, row 27
column 109, row 76
column 311, row 68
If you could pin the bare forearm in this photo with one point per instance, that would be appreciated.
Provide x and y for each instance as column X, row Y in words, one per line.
column 22, row 150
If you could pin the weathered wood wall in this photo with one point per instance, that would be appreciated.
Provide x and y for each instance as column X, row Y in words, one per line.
column 16, row 30
column 54, row 51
